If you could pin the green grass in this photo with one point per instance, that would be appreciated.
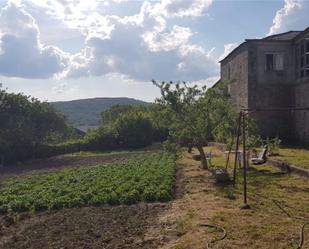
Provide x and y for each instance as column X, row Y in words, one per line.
column 148, row 177
column 295, row 156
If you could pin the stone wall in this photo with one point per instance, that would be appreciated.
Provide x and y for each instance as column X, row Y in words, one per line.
column 274, row 123
column 235, row 71
column 271, row 89
column 252, row 86
column 301, row 117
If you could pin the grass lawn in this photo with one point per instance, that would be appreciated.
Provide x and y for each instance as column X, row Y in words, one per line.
column 271, row 193
column 149, row 177
column 295, row 156
column 279, row 207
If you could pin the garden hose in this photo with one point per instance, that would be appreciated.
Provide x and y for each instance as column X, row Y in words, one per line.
column 302, row 228
column 302, row 236
column 224, row 234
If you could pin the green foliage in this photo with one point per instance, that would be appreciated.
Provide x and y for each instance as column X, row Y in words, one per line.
column 171, row 147
column 148, row 177
column 111, row 114
column 103, row 138
column 25, row 123
column 273, row 145
column 183, row 112
column 222, row 116
column 193, row 115
column 134, row 130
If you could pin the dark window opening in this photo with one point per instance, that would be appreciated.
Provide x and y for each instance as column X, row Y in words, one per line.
column 274, row 62
column 302, row 61
column 302, row 49
column 269, row 62
column 307, row 47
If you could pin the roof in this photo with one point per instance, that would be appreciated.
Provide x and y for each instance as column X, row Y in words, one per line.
column 287, row 36
column 282, row 37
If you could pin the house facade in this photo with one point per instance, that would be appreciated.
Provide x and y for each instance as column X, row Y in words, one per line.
column 271, row 76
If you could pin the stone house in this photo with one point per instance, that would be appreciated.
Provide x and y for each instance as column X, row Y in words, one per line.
column 272, row 73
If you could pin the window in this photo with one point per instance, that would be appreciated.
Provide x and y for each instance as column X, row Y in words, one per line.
column 229, row 72
column 303, row 58
column 274, row 62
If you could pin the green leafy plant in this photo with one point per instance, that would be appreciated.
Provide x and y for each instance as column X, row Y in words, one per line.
column 149, row 177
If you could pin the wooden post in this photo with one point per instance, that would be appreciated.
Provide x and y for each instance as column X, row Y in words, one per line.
column 245, row 205
column 237, row 147
column 229, row 153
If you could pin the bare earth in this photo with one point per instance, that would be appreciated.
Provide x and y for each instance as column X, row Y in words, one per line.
column 56, row 163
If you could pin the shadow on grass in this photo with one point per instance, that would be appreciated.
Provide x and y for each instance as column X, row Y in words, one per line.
column 293, row 189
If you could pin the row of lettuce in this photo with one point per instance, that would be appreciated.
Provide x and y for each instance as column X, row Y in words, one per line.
column 30, row 129
column 149, row 177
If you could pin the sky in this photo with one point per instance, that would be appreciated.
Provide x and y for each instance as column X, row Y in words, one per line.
column 72, row 49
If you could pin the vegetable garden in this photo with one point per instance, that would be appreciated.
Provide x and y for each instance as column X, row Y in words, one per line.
column 149, row 177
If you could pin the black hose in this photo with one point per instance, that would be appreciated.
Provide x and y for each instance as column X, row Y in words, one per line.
column 302, row 228
column 302, row 236
column 224, row 234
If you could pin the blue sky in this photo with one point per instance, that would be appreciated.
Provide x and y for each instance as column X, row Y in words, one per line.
column 71, row 49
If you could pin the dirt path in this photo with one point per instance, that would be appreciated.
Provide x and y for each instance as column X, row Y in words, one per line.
column 194, row 204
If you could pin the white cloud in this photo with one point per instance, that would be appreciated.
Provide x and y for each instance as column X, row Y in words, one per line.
column 22, row 54
column 228, row 48
column 293, row 16
column 181, row 8
column 158, row 40
column 64, row 88
column 142, row 46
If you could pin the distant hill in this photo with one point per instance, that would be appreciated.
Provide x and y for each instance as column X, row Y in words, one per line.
column 85, row 113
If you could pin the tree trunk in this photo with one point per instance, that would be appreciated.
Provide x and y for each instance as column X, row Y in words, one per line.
column 204, row 162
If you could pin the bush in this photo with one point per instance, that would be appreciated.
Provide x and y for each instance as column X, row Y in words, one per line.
column 171, row 147
column 103, row 138
column 134, row 130
column 273, row 145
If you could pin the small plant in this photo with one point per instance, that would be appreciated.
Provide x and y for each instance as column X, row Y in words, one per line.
column 149, row 177
column 273, row 145
column 171, row 147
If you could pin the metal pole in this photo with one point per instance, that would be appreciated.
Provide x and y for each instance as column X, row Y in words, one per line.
column 237, row 147
column 229, row 153
column 245, row 205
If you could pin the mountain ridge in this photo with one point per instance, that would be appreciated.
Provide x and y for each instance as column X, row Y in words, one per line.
column 86, row 112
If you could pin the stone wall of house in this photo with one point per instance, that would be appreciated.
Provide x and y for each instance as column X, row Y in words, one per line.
column 252, row 86
column 271, row 89
column 277, row 123
column 286, row 76
column 301, row 117
column 235, row 71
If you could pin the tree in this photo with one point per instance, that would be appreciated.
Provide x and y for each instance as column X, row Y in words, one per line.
column 134, row 130
column 25, row 123
column 111, row 114
column 192, row 114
